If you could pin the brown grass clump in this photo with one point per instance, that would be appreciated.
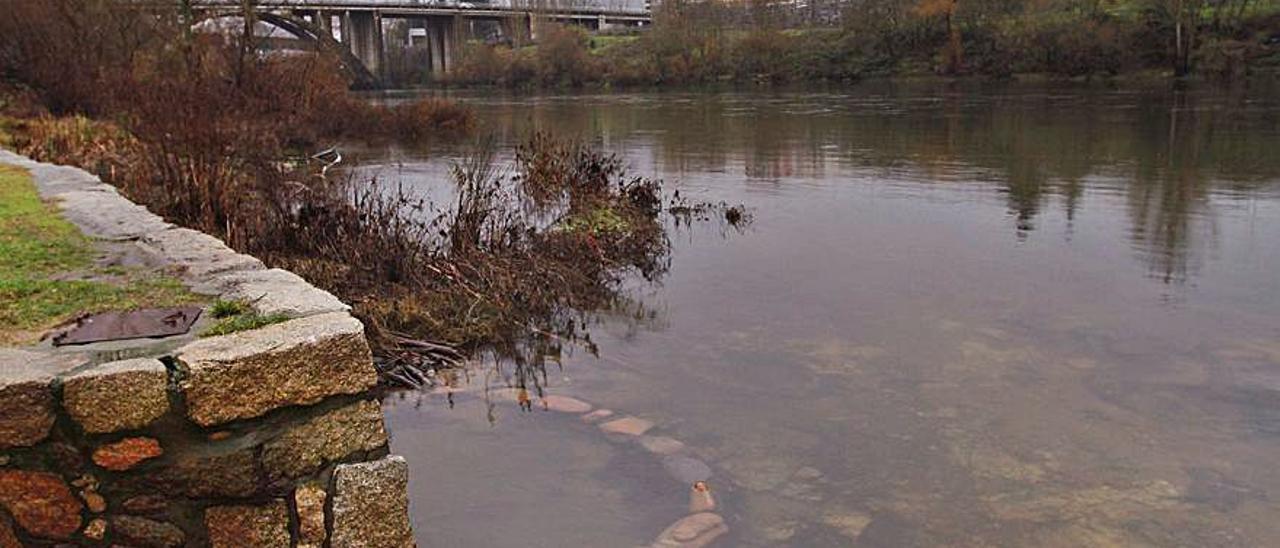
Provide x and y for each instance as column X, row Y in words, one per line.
column 515, row 264
column 427, row 118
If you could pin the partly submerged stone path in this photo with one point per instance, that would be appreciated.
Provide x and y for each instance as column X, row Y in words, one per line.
column 265, row 437
column 702, row 525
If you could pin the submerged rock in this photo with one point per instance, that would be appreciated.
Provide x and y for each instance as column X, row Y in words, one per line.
column 849, row 524
column 630, row 426
column 781, row 531
column 565, row 404
column 808, row 473
column 661, row 445
column 41, row 503
column 686, row 470
column 371, row 504
column 693, row 531
column 265, row 526
column 127, row 453
column 123, row 395
column 597, row 415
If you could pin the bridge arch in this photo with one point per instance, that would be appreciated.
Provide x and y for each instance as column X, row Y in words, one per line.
column 317, row 36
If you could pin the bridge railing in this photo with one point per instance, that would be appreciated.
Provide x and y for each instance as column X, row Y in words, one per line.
column 620, row 7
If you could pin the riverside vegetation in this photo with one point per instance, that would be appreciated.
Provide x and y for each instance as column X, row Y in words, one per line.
column 211, row 135
column 48, row 273
column 843, row 40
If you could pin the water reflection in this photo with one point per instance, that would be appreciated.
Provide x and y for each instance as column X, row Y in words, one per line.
column 1176, row 155
column 936, row 332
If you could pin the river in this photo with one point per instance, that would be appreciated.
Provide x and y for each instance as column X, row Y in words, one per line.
column 979, row 315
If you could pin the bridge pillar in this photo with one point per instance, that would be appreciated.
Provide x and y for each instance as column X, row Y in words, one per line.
column 438, row 39
column 344, row 27
column 517, row 28
column 455, row 35
column 365, row 38
column 324, row 21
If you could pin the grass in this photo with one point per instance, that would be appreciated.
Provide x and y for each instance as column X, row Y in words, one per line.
column 596, row 222
column 47, row 275
column 242, row 321
column 225, row 309
column 236, row 316
column 605, row 41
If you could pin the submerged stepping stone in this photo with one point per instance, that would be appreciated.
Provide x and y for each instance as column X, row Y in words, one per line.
column 686, row 470
column 693, row 531
column 597, row 415
column 661, row 445
column 630, row 426
column 565, row 404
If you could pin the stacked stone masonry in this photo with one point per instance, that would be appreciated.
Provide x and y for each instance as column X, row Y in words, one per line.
column 258, row 438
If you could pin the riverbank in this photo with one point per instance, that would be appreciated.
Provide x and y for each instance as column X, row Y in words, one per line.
column 262, row 437
column 695, row 45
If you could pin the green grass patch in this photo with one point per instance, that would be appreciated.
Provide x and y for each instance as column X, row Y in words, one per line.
column 225, row 309
column 595, row 222
column 603, row 42
column 242, row 322
column 47, row 274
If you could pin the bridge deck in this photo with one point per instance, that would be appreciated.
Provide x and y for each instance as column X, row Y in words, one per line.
column 614, row 9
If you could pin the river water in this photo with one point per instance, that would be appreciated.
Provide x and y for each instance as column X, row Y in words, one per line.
column 974, row 316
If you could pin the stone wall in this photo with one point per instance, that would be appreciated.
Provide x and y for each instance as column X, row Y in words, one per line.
column 258, row 438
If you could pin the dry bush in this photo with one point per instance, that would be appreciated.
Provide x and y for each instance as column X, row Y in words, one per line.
column 563, row 59
column 426, row 118
column 763, row 54
column 499, row 65
column 513, row 264
column 97, row 146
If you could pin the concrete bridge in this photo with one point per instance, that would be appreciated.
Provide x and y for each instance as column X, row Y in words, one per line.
column 353, row 29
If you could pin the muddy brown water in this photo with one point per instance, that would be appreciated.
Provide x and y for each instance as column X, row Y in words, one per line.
column 964, row 316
